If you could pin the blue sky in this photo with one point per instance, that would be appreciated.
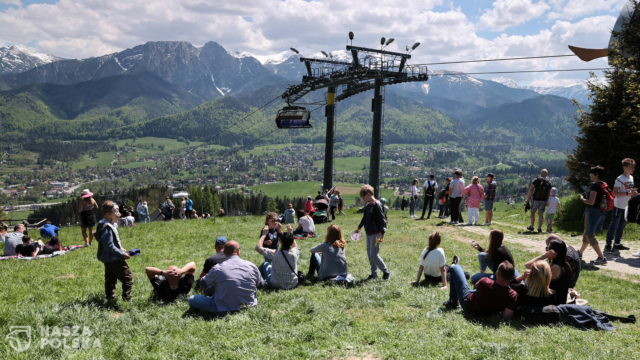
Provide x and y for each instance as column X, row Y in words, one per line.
column 449, row 30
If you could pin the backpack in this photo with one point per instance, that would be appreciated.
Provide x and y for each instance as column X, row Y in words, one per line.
column 606, row 203
column 633, row 212
column 430, row 189
column 541, row 189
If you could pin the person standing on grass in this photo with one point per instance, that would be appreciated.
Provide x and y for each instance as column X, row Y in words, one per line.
column 489, row 297
column 112, row 254
column 623, row 190
column 432, row 263
column 593, row 214
column 456, row 187
column 170, row 284
column 183, row 209
column 143, row 211
column 414, row 198
column 167, row 209
column 189, row 211
column 553, row 207
column 474, row 193
column 537, row 197
column 340, row 203
column 333, row 204
column 375, row 225
column 489, row 198
column 233, row 283
column 443, row 200
column 430, row 188
column 86, row 210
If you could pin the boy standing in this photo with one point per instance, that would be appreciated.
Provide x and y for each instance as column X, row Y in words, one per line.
column 375, row 225
column 489, row 198
column 112, row 254
column 623, row 190
column 552, row 207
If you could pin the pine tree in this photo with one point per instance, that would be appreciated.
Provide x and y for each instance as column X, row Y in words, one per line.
column 610, row 129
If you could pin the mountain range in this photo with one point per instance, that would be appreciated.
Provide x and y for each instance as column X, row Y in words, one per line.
column 172, row 89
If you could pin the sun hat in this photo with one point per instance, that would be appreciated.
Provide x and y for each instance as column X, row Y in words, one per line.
column 86, row 194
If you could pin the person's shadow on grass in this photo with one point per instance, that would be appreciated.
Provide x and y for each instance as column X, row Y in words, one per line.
column 96, row 301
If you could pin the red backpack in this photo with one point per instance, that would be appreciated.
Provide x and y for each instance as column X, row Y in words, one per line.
column 606, row 204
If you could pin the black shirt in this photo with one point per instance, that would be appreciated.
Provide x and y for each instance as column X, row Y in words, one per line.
column 212, row 261
column 597, row 188
column 26, row 250
column 165, row 293
column 274, row 236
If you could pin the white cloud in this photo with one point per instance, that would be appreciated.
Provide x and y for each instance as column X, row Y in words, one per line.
column 11, row 2
column 573, row 9
column 508, row 13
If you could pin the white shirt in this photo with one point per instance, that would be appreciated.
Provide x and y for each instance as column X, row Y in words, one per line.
column 552, row 205
column 433, row 183
column 433, row 262
column 307, row 224
column 414, row 190
column 623, row 183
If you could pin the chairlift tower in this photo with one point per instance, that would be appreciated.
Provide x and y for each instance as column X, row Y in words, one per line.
column 368, row 69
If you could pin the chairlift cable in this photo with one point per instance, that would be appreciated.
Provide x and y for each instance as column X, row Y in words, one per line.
column 498, row 59
column 514, row 71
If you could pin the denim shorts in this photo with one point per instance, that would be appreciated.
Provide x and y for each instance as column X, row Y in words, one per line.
column 594, row 218
column 488, row 205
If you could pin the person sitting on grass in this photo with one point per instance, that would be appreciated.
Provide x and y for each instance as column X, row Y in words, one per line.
column 52, row 246
column 112, row 254
column 290, row 215
column 3, row 232
column 309, row 207
column 28, row 248
column 306, row 225
column 171, row 283
column 275, row 231
column 561, row 271
column 233, row 283
column 13, row 239
column 214, row 259
column 536, row 291
column 280, row 268
column 432, row 263
column 333, row 261
column 489, row 296
column 493, row 256
column 48, row 230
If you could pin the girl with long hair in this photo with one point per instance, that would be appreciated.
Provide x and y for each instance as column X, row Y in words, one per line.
column 493, row 256
column 432, row 262
column 328, row 258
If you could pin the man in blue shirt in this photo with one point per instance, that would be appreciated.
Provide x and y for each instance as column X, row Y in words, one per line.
column 189, row 208
column 49, row 230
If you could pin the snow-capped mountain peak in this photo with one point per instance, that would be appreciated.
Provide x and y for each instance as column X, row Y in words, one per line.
column 19, row 58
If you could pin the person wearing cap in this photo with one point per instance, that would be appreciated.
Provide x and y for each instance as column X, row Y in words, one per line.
column 87, row 209
column 234, row 284
column 489, row 198
column 214, row 259
column 171, row 283
column 112, row 254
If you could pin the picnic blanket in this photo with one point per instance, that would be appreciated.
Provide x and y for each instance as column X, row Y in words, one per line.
column 56, row 253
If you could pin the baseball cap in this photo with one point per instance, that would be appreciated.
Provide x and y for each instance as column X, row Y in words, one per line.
column 221, row 240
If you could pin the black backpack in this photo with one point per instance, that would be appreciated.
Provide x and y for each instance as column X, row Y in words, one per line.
column 541, row 189
column 430, row 189
column 633, row 213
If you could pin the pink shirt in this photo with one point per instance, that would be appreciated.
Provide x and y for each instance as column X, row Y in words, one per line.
column 473, row 193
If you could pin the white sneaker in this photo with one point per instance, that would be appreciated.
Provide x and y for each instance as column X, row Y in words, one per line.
column 636, row 254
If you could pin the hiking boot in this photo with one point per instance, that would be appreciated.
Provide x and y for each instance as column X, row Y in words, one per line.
column 372, row 276
column 385, row 275
column 608, row 249
column 599, row 261
column 530, row 228
column 455, row 260
column 450, row 305
column 620, row 247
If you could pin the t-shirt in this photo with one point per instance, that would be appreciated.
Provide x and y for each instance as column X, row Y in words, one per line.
column 542, row 186
column 433, row 262
column 281, row 275
column 26, row 250
column 490, row 297
column 456, row 187
column 334, row 200
column 165, row 293
column 597, row 187
column 289, row 216
column 189, row 205
column 274, row 236
column 552, row 205
column 307, row 224
column 212, row 261
column 490, row 191
column 234, row 284
column 501, row 254
column 414, row 190
column 624, row 183
column 333, row 262
column 430, row 184
column 49, row 230
column 12, row 240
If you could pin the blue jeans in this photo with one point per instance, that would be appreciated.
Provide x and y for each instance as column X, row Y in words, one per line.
column 373, row 250
column 412, row 205
column 459, row 288
column 203, row 303
column 484, row 263
column 616, row 228
column 265, row 271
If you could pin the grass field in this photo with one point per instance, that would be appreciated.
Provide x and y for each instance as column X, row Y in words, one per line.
column 373, row 320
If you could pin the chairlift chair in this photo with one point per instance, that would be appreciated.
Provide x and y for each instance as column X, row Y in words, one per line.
column 293, row 117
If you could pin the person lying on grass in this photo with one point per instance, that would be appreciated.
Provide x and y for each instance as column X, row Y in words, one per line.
column 489, row 297
column 561, row 272
column 280, row 267
column 52, row 246
column 213, row 260
column 535, row 292
column 233, row 283
column 28, row 248
column 171, row 283
column 432, row 263
column 333, row 261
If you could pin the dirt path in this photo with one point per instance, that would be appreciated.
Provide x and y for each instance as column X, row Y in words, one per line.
column 617, row 266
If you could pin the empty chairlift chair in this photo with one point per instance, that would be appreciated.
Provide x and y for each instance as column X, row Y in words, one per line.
column 293, row 117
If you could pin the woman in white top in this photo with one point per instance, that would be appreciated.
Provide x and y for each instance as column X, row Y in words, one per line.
column 413, row 201
column 432, row 263
column 281, row 266
column 306, row 226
